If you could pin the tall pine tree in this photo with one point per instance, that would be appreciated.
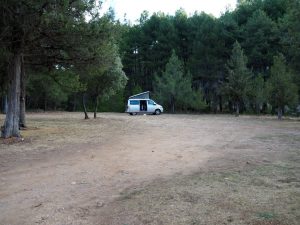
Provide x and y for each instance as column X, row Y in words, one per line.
column 174, row 88
column 238, row 79
column 282, row 90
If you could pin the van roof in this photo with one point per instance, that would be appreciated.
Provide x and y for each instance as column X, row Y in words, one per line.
column 143, row 95
column 139, row 99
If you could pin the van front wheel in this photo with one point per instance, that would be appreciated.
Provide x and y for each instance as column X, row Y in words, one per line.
column 157, row 112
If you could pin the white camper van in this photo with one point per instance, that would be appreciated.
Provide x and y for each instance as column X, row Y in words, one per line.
column 141, row 103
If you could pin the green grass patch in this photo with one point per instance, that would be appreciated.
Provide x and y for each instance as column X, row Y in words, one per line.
column 266, row 215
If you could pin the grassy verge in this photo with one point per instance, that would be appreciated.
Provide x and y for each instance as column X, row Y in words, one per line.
column 266, row 193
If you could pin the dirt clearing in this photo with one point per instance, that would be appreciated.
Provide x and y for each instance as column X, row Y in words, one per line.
column 168, row 169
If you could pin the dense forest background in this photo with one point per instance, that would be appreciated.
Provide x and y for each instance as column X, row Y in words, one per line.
column 246, row 60
column 204, row 44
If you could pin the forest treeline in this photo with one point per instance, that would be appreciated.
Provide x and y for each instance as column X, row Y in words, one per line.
column 265, row 32
column 66, row 55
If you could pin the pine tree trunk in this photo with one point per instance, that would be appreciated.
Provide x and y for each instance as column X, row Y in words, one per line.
column 96, row 107
column 257, row 109
column 45, row 103
column 237, row 112
column 86, row 116
column 22, row 121
column 172, row 104
column 11, row 124
column 5, row 104
column 74, row 105
column 279, row 113
column 221, row 103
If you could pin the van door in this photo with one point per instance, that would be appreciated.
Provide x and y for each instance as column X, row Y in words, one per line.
column 134, row 106
column 143, row 105
column 151, row 106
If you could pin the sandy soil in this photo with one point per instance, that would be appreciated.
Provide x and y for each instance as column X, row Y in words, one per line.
column 168, row 169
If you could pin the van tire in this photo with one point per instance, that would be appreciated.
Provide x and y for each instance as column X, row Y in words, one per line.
column 157, row 112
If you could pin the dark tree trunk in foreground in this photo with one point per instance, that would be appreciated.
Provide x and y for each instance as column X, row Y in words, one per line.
column 22, row 121
column 11, row 124
column 86, row 116
column 96, row 107
column 4, row 102
column 279, row 113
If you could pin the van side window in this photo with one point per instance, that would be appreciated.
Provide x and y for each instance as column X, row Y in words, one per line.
column 134, row 102
column 150, row 102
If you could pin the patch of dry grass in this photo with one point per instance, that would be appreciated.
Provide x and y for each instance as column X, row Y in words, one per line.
column 267, row 193
column 48, row 131
column 263, row 195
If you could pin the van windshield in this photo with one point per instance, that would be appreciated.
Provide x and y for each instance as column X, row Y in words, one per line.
column 151, row 102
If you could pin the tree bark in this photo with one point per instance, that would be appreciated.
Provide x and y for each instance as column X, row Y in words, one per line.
column 11, row 124
column 173, row 104
column 45, row 103
column 221, row 103
column 96, row 107
column 4, row 98
column 279, row 113
column 74, row 104
column 237, row 112
column 22, row 121
column 257, row 108
column 86, row 116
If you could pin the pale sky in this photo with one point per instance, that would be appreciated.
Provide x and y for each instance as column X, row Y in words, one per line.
column 134, row 8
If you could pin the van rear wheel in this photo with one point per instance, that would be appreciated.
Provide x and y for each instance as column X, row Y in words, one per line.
column 157, row 112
